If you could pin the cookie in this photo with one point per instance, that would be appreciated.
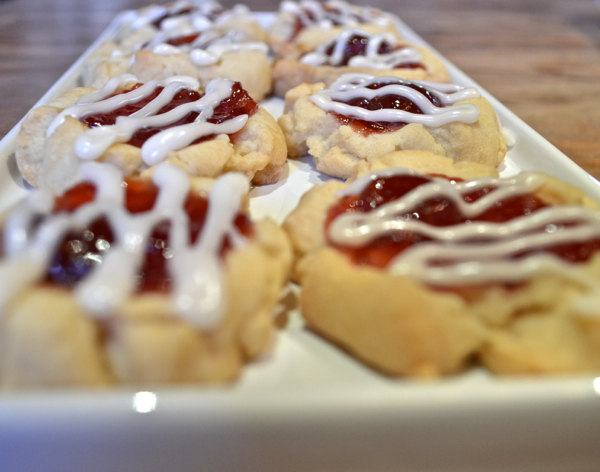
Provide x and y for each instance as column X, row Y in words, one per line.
column 136, row 126
column 357, row 51
column 301, row 26
column 204, row 55
column 421, row 275
column 184, row 16
column 144, row 282
column 361, row 117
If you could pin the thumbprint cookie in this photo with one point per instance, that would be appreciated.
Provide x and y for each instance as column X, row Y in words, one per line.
column 355, row 50
column 135, row 126
column 361, row 117
column 205, row 55
column 301, row 26
column 145, row 23
column 137, row 281
column 425, row 275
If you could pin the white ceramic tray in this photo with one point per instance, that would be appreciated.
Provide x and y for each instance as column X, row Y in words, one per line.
column 309, row 407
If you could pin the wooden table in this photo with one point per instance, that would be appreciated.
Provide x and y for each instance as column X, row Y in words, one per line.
column 541, row 58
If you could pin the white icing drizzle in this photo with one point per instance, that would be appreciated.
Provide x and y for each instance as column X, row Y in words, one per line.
column 94, row 142
column 351, row 86
column 204, row 39
column 202, row 9
column 195, row 268
column 212, row 54
column 208, row 50
column 372, row 59
column 199, row 289
column 110, row 88
column 334, row 13
column 204, row 14
column 478, row 252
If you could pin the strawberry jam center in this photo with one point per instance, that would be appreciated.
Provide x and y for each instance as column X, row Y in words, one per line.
column 238, row 103
column 180, row 40
column 80, row 250
column 387, row 101
column 441, row 211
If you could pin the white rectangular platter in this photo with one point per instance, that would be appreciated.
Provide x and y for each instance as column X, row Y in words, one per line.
column 308, row 407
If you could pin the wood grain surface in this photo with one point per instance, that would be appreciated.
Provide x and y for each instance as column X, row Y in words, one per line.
column 541, row 58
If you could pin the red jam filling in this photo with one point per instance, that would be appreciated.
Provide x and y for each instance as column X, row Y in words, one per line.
column 389, row 101
column 357, row 46
column 80, row 250
column 183, row 39
column 239, row 103
column 440, row 212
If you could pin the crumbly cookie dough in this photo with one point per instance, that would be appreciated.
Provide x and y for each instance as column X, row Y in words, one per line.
column 426, row 162
column 337, row 149
column 258, row 150
column 392, row 324
column 401, row 327
column 107, row 61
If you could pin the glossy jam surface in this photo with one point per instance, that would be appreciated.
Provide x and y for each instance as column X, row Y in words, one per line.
column 388, row 101
column 183, row 39
column 239, row 103
column 80, row 250
column 439, row 212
